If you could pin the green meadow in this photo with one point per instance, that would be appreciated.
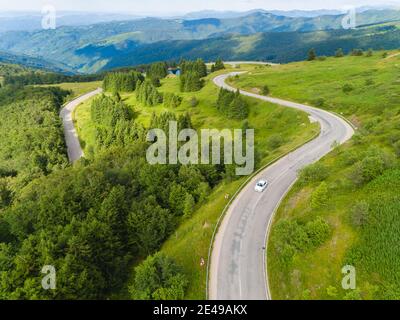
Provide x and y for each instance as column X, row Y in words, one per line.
column 355, row 188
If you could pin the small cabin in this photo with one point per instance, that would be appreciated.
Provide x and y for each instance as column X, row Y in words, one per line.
column 174, row 71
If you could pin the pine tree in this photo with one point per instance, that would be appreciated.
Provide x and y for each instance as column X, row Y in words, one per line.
column 319, row 197
column 219, row 65
column 188, row 205
column 312, row 55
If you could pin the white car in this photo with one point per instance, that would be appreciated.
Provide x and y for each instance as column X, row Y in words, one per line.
column 261, row 185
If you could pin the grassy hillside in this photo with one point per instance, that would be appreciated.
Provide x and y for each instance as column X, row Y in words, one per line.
column 190, row 243
column 77, row 88
column 355, row 188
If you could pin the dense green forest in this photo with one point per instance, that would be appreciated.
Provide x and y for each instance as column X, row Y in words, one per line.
column 93, row 220
column 38, row 77
column 121, row 81
column 32, row 143
column 17, row 75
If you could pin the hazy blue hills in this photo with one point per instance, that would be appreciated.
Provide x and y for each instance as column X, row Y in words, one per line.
column 33, row 62
column 259, row 35
column 272, row 46
column 31, row 21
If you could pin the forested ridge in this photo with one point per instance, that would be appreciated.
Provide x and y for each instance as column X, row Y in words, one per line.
column 32, row 142
column 93, row 220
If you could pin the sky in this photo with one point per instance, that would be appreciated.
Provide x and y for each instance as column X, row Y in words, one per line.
column 182, row 6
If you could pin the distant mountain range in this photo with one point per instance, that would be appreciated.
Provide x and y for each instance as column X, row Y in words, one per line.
column 235, row 14
column 258, row 35
column 271, row 46
column 31, row 21
column 33, row 62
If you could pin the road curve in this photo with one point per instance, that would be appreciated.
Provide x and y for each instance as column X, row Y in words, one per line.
column 238, row 264
column 75, row 151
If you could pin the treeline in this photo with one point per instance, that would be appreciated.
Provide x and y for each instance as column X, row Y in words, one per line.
column 39, row 77
column 232, row 105
column 121, row 81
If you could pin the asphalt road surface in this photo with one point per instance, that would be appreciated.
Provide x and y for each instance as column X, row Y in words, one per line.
column 238, row 264
column 75, row 151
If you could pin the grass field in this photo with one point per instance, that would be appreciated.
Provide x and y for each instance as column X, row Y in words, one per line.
column 77, row 88
column 191, row 241
column 361, row 205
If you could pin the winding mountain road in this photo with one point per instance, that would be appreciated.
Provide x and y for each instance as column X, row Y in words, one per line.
column 75, row 151
column 238, row 260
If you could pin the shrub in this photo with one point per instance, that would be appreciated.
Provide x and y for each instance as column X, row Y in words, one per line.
column 312, row 55
column 339, row 53
column 158, row 278
column 265, row 90
column 359, row 214
column 275, row 141
column 332, row 292
column 314, row 173
column 371, row 166
column 290, row 237
column 188, row 205
column 193, row 102
column 219, row 65
column 319, row 103
column 172, row 100
column 396, row 146
column 347, row 88
column 369, row 82
column 357, row 52
column 319, row 198
column 318, row 231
